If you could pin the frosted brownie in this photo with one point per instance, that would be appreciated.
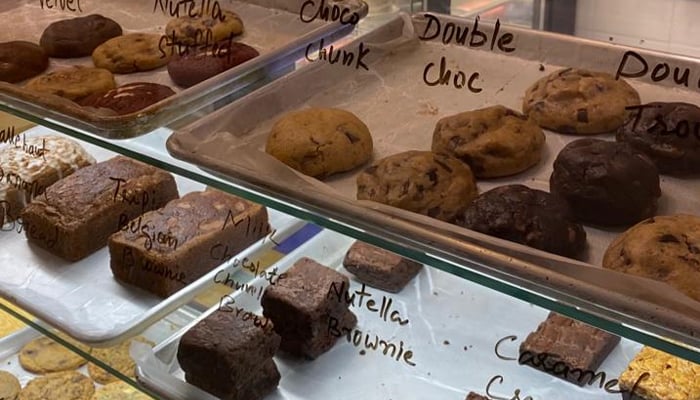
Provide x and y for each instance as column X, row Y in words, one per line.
column 655, row 375
column 164, row 250
column 77, row 214
column 380, row 268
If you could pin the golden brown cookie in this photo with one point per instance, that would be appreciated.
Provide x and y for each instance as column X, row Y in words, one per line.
column 437, row 185
column 494, row 141
column 43, row 355
column 9, row 386
column 118, row 358
column 119, row 391
column 74, row 83
column 320, row 141
column 130, row 53
column 204, row 30
column 71, row 385
column 579, row 102
column 665, row 249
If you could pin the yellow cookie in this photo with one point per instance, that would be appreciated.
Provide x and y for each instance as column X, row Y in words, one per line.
column 134, row 52
column 74, row 83
column 119, row 391
column 9, row 386
column 43, row 355
column 198, row 30
column 118, row 358
column 71, row 385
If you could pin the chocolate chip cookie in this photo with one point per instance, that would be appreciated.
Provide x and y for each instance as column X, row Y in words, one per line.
column 117, row 357
column 191, row 68
column 44, row 355
column 130, row 53
column 74, row 83
column 494, row 141
column 581, row 102
column 21, row 60
column 320, row 141
column 434, row 184
column 528, row 216
column 669, row 133
column 78, row 37
column 202, row 29
column 71, row 385
column 129, row 98
column 664, row 248
column 606, row 183
column 9, row 386
column 119, row 391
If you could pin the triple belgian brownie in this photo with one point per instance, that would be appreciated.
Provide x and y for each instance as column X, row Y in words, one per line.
column 229, row 355
column 164, row 250
column 305, row 304
column 380, row 268
column 567, row 349
column 655, row 375
column 76, row 215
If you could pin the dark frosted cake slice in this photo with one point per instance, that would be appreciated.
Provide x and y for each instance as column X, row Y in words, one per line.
column 380, row 268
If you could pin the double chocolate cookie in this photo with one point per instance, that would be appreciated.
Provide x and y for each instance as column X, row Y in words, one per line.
column 191, row 68
column 531, row 217
column 606, row 183
column 78, row 37
column 577, row 101
column 21, row 60
column 669, row 133
column 434, row 184
column 129, row 98
column 494, row 141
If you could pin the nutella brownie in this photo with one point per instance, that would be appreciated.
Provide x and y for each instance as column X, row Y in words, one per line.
column 655, row 375
column 303, row 306
column 164, row 250
column 76, row 215
column 380, row 268
column 241, row 346
column 567, row 349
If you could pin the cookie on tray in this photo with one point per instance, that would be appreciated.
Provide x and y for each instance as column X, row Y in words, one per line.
column 200, row 29
column 494, row 141
column 71, row 385
column 663, row 248
column 117, row 357
column 21, row 60
column 73, row 83
column 578, row 101
column 134, row 52
column 669, row 133
column 528, row 216
column 655, row 375
column 606, row 183
column 119, row 391
column 129, row 98
column 43, row 355
column 78, row 37
column 320, row 141
column 194, row 67
column 433, row 184
column 9, row 386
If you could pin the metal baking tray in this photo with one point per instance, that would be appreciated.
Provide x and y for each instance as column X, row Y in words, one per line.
column 401, row 111
column 273, row 27
column 453, row 328
column 83, row 299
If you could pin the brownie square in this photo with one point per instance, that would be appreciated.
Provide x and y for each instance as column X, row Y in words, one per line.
column 655, row 375
column 380, row 268
column 262, row 381
column 567, row 349
column 474, row 396
column 304, row 304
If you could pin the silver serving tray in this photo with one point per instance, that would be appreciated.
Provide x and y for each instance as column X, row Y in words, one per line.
column 401, row 112
column 273, row 27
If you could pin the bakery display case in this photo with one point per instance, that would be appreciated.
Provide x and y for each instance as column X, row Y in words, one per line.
column 479, row 209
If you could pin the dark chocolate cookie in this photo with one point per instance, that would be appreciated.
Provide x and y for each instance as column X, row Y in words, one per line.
column 531, row 217
column 78, row 37
column 606, row 183
column 191, row 68
column 21, row 60
column 669, row 133
column 129, row 98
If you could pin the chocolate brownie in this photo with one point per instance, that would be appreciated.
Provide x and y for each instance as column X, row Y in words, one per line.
column 655, row 375
column 76, row 215
column 669, row 133
column 163, row 251
column 241, row 346
column 567, row 349
column 380, row 268
column 531, row 217
column 191, row 68
column 129, row 98
column 78, row 37
column 474, row 396
column 304, row 304
column 606, row 183
column 21, row 60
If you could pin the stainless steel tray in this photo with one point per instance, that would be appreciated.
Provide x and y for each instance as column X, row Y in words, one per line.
column 453, row 328
column 273, row 27
column 401, row 112
column 83, row 299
